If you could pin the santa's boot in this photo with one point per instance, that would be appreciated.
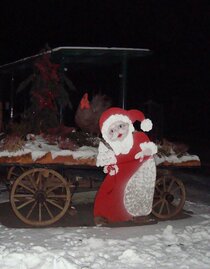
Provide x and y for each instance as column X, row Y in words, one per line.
column 144, row 220
column 100, row 221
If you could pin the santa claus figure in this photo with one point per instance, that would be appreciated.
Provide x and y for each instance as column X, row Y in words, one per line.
column 127, row 191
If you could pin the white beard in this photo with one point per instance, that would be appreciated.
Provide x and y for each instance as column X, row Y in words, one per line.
column 122, row 147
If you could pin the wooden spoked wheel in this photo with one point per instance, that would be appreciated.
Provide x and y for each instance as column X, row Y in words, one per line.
column 40, row 197
column 13, row 173
column 169, row 197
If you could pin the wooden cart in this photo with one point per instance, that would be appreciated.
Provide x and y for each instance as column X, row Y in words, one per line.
column 169, row 196
column 40, row 195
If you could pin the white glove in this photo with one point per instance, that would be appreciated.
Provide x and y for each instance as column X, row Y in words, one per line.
column 148, row 149
column 111, row 169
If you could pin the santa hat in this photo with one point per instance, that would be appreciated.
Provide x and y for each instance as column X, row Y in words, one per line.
column 114, row 114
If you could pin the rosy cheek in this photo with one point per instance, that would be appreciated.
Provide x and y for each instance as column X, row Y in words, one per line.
column 111, row 135
column 126, row 131
column 124, row 135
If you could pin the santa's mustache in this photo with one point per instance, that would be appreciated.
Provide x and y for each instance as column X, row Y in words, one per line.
column 122, row 147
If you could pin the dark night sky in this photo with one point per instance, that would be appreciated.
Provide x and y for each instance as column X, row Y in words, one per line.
column 176, row 75
column 165, row 26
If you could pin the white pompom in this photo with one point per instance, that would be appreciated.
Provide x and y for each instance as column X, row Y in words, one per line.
column 146, row 125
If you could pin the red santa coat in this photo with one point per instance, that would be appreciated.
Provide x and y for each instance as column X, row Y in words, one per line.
column 110, row 199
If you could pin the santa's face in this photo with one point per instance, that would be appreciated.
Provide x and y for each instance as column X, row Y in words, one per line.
column 118, row 131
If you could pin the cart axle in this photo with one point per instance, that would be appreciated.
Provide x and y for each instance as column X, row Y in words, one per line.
column 40, row 196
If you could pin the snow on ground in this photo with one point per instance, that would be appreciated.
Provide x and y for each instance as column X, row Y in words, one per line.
column 183, row 244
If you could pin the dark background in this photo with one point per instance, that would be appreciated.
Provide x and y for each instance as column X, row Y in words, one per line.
column 176, row 76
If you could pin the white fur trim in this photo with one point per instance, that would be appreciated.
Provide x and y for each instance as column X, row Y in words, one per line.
column 146, row 125
column 139, row 191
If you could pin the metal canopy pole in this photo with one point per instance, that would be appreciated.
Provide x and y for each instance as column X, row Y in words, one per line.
column 124, row 80
column 12, row 98
column 62, row 71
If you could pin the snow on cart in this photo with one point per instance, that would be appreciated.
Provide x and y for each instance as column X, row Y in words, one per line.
column 47, row 162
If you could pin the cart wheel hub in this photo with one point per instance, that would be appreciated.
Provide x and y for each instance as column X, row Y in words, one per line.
column 40, row 196
column 168, row 197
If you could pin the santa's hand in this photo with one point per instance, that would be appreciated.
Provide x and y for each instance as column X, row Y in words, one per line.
column 148, row 148
column 139, row 156
column 111, row 169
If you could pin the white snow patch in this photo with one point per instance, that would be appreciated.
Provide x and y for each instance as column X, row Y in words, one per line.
column 39, row 148
column 182, row 244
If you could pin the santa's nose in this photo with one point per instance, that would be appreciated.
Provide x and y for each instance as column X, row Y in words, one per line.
column 119, row 135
